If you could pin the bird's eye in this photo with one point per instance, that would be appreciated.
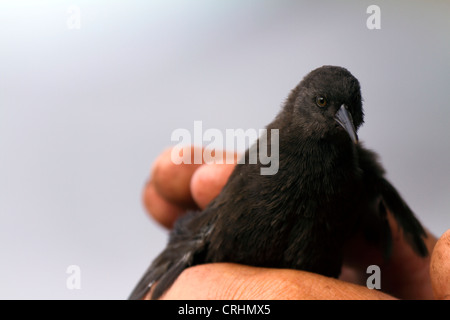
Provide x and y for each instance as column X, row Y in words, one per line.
column 321, row 101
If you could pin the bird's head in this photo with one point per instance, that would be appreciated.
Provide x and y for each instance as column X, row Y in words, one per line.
column 327, row 102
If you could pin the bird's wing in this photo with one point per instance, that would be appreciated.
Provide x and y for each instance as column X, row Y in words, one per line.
column 412, row 229
column 387, row 197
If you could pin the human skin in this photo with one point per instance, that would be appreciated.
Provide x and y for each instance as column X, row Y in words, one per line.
column 173, row 189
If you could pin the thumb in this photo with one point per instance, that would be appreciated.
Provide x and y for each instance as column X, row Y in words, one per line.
column 440, row 267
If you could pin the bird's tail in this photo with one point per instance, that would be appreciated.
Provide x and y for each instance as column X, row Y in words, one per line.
column 185, row 248
column 161, row 274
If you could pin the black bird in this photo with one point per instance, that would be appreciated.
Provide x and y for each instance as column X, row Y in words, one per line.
column 328, row 187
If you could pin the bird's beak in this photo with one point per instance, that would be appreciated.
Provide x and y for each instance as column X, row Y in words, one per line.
column 344, row 118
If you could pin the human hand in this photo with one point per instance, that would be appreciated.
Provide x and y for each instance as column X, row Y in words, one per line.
column 173, row 189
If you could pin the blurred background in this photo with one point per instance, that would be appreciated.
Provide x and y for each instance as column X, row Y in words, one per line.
column 90, row 92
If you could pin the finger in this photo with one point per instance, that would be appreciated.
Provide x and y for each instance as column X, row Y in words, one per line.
column 172, row 181
column 168, row 194
column 163, row 211
column 440, row 267
column 350, row 274
column 405, row 274
column 231, row 281
column 208, row 181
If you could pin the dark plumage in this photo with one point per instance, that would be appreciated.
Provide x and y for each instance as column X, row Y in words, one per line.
column 328, row 187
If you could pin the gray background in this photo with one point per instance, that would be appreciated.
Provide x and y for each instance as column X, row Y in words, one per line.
column 83, row 113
